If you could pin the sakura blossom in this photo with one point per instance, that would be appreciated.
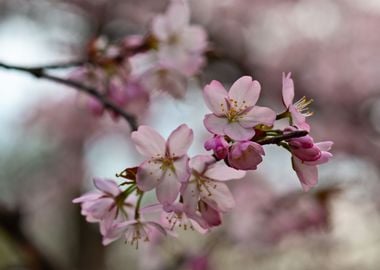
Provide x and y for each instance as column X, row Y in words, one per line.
column 107, row 205
column 306, row 155
column 235, row 113
column 219, row 145
column 180, row 45
column 245, row 155
column 133, row 231
column 166, row 166
column 206, row 183
column 300, row 109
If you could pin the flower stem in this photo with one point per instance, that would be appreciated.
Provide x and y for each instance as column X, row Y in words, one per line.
column 138, row 204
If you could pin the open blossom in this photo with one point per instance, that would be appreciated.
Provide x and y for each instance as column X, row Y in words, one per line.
column 133, row 232
column 167, row 163
column 219, row 145
column 234, row 113
column 180, row 45
column 306, row 155
column 299, row 110
column 245, row 155
column 106, row 206
column 206, row 183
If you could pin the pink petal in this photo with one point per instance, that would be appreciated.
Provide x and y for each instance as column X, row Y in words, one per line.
column 325, row 157
column 210, row 215
column 215, row 96
column 107, row 186
column 116, row 231
column 190, row 196
column 245, row 92
column 324, row 146
column 221, row 197
column 195, row 38
column 100, row 208
column 167, row 191
column 182, row 169
column 156, row 226
column 148, row 142
column 90, row 196
column 149, row 175
column 238, row 133
column 180, row 140
column 245, row 155
column 160, row 28
column 200, row 162
column 221, row 172
column 308, row 175
column 287, row 90
column 299, row 120
column 258, row 115
column 178, row 15
column 215, row 124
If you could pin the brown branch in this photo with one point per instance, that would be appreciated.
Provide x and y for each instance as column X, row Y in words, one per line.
column 280, row 138
column 40, row 72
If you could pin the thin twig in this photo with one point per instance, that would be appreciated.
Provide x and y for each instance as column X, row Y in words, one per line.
column 287, row 136
column 39, row 72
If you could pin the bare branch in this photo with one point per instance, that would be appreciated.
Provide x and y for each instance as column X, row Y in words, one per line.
column 40, row 72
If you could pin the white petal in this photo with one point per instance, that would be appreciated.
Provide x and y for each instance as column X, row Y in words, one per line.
column 180, row 140
column 149, row 175
column 245, row 92
column 221, row 197
column 258, row 115
column 221, row 172
column 215, row 124
column 215, row 96
column 167, row 191
column 148, row 142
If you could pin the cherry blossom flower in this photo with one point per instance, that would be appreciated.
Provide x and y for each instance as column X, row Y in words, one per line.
column 178, row 215
column 234, row 113
column 245, row 155
column 219, row 145
column 206, row 184
column 306, row 155
column 299, row 110
column 167, row 163
column 180, row 45
column 133, row 232
column 107, row 206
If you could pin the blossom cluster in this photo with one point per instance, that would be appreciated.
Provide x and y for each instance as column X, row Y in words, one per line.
column 127, row 72
column 192, row 192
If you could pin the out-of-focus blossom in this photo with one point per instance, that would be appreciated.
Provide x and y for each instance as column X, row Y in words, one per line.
column 180, row 45
column 219, row 145
column 234, row 113
column 206, row 184
column 245, row 155
column 299, row 110
column 167, row 163
column 306, row 155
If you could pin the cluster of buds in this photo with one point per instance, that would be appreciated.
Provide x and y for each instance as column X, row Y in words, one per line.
column 128, row 71
column 192, row 191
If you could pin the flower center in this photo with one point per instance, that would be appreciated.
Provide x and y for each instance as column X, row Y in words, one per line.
column 167, row 163
column 302, row 106
column 234, row 111
column 135, row 233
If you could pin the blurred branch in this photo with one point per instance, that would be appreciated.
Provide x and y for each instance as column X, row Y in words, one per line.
column 40, row 72
column 10, row 222
column 280, row 138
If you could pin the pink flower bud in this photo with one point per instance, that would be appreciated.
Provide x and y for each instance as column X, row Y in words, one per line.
column 304, row 148
column 219, row 145
column 245, row 155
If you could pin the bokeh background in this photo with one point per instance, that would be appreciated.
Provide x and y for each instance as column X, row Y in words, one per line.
column 51, row 147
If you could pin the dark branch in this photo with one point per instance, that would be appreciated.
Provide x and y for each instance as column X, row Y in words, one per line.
column 280, row 138
column 39, row 72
